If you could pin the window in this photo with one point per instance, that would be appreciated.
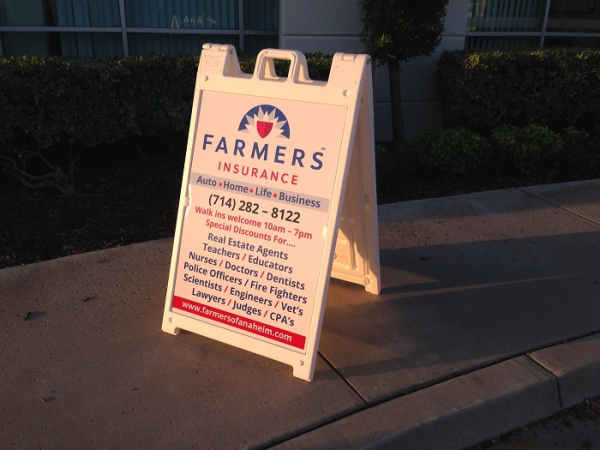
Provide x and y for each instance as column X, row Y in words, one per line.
column 133, row 27
column 518, row 23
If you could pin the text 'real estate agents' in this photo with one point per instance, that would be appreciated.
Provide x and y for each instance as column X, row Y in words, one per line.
column 260, row 188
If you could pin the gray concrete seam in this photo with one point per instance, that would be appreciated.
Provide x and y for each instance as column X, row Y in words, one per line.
column 579, row 198
column 576, row 365
column 451, row 415
column 564, row 208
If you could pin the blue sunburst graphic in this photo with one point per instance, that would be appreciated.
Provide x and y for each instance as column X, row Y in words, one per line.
column 265, row 120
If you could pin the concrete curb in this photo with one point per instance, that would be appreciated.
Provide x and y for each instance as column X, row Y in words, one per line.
column 576, row 365
column 469, row 409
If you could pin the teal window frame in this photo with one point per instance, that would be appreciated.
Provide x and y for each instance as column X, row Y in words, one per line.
column 80, row 32
column 498, row 26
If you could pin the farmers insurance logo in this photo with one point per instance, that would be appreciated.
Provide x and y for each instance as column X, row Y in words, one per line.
column 265, row 120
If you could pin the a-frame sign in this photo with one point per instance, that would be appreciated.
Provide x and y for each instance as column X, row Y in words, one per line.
column 278, row 194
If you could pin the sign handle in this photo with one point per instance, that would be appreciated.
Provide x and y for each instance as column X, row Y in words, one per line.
column 265, row 67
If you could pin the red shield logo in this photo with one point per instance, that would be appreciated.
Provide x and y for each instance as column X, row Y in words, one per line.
column 263, row 128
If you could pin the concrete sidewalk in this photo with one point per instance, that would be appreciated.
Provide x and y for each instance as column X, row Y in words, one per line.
column 489, row 318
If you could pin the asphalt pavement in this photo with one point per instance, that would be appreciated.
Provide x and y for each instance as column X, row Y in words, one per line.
column 489, row 319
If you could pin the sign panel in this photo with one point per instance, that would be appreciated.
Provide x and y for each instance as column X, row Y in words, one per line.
column 265, row 171
column 260, row 193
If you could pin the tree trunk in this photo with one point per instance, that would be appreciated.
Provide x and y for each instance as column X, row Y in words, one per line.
column 396, row 100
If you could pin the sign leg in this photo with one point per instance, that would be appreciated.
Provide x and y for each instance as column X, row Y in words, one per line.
column 168, row 326
column 304, row 371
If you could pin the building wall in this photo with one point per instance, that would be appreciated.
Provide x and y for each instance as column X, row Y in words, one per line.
column 331, row 26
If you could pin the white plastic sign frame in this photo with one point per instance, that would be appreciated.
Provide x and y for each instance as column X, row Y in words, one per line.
column 266, row 169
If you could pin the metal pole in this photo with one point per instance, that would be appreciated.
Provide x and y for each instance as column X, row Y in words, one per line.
column 545, row 23
column 241, row 24
column 123, row 28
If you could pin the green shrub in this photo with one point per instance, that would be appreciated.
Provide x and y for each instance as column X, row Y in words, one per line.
column 93, row 101
column 580, row 158
column 446, row 152
column 575, row 156
column 388, row 172
column 484, row 89
column 100, row 100
column 594, row 145
column 531, row 150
